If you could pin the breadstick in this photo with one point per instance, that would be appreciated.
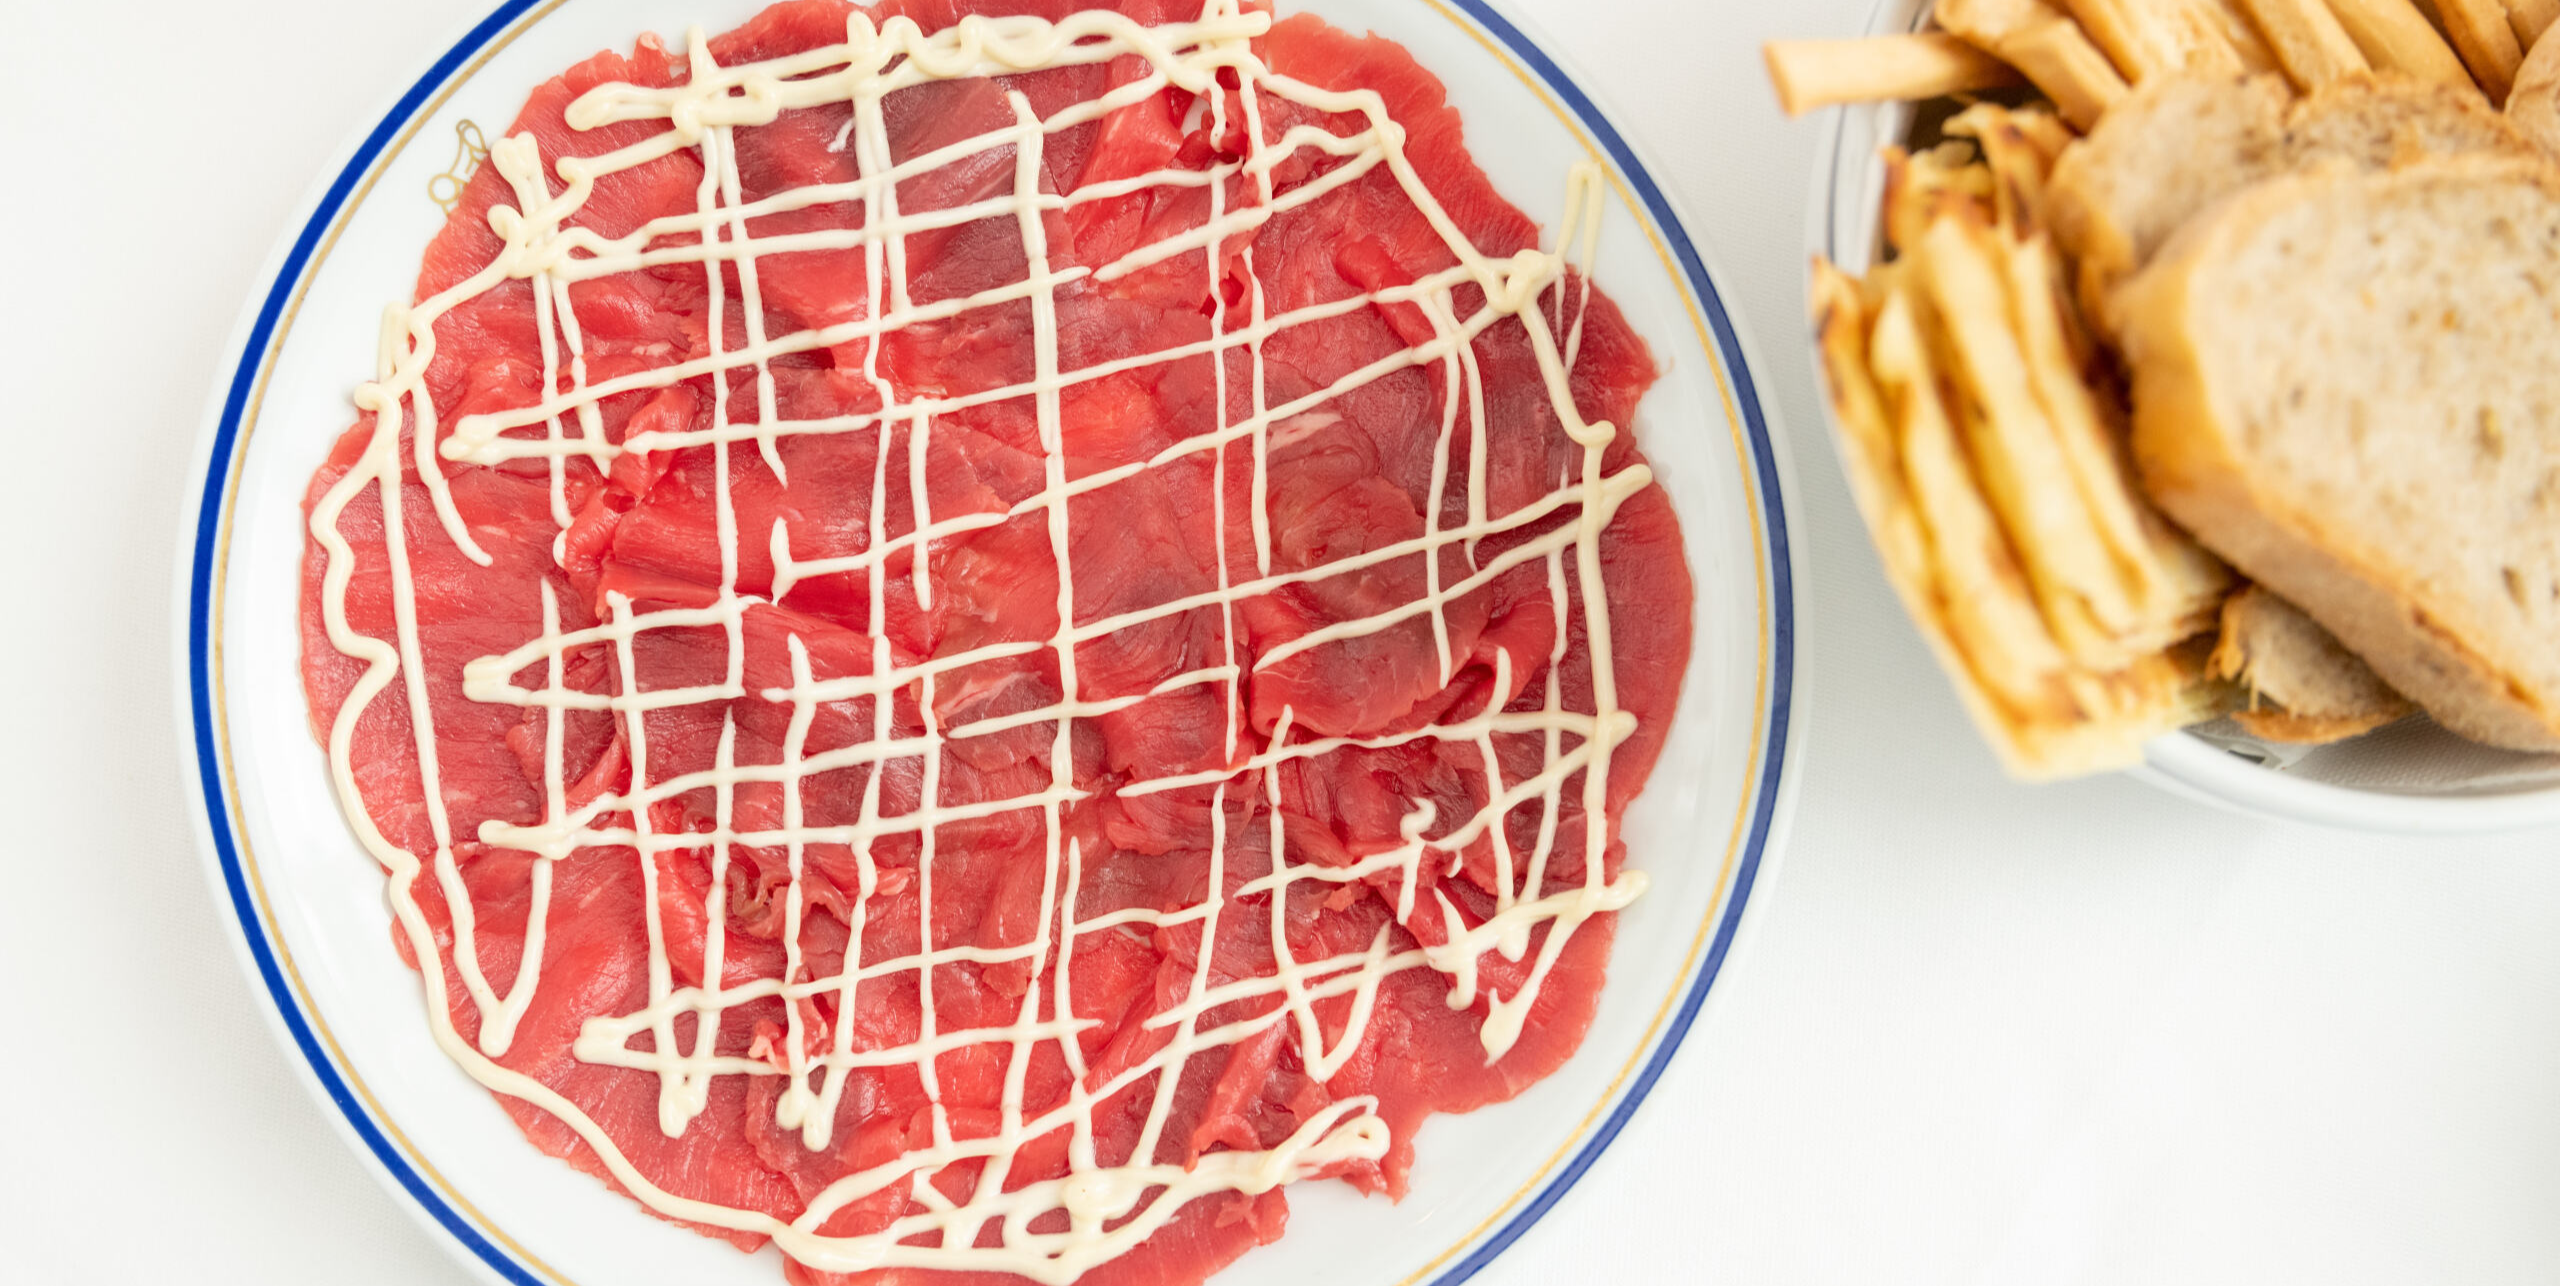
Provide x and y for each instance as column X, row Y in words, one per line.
column 2531, row 18
column 2118, row 29
column 1821, row 73
column 2308, row 40
column 1992, row 23
column 2045, row 44
column 2148, row 38
column 2396, row 37
column 2070, row 70
column 2235, row 25
column 2486, row 41
column 2205, row 39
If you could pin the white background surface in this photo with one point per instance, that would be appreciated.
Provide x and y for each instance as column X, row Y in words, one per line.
column 1978, row 1033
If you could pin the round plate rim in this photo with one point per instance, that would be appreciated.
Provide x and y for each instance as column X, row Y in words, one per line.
column 203, row 535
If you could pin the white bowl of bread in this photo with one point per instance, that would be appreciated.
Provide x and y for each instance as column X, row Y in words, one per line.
column 2196, row 367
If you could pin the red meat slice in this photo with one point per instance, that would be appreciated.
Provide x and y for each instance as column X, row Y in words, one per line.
column 826, row 518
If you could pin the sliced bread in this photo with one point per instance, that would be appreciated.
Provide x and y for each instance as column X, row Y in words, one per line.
column 2345, row 384
column 2304, row 687
column 2178, row 145
column 2120, row 193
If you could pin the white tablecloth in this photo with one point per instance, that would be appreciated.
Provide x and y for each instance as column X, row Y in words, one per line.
column 1977, row 1033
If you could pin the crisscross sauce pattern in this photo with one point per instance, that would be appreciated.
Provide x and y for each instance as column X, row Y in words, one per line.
column 911, row 707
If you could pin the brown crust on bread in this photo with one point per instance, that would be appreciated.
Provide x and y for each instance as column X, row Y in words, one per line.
column 2270, row 723
column 2303, row 686
column 2184, row 444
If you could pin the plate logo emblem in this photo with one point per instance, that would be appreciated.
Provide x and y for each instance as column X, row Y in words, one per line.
column 470, row 149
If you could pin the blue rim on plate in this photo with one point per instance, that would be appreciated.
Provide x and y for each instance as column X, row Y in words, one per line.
column 204, row 543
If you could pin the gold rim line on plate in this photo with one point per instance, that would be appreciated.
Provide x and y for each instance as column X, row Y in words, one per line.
column 1760, row 703
column 1653, row 1029
column 220, row 602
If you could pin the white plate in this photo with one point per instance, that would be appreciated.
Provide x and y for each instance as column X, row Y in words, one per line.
column 308, row 904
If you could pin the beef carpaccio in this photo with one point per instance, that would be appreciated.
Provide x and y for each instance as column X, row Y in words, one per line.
column 975, row 634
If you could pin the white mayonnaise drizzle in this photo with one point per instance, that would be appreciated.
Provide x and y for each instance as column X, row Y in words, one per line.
column 1107, row 1208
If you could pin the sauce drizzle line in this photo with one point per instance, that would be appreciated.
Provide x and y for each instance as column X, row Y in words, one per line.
column 1108, row 1208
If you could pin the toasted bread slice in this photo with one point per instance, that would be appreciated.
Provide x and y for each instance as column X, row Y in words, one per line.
column 2343, row 386
column 2178, row 145
column 2304, row 686
column 1953, row 567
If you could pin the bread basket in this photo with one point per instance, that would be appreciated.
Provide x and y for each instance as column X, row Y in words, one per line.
column 2412, row 777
